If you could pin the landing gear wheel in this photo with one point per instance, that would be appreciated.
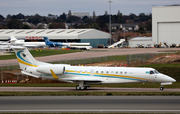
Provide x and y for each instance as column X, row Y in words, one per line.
column 161, row 88
column 78, row 88
column 85, row 87
column 81, row 88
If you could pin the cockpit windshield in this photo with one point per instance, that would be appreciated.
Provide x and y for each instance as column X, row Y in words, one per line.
column 152, row 72
column 156, row 71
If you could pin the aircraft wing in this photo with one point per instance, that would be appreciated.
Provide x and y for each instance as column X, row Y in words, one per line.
column 76, row 79
column 33, row 45
column 79, row 47
column 85, row 79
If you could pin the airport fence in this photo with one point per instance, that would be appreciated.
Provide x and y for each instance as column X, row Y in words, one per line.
column 91, row 60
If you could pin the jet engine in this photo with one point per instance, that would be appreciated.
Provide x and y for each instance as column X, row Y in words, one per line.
column 57, row 69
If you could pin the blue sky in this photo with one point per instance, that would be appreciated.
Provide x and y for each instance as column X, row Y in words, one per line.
column 57, row 7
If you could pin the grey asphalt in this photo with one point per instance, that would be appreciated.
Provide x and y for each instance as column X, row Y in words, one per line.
column 93, row 53
column 61, row 89
column 52, row 104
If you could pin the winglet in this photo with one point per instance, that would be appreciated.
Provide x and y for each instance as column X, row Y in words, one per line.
column 53, row 74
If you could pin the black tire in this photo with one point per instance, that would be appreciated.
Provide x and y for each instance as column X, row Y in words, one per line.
column 85, row 87
column 77, row 87
column 161, row 88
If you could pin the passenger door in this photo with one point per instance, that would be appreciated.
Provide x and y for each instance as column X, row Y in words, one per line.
column 92, row 72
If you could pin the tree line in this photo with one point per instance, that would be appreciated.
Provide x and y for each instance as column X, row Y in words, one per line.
column 56, row 22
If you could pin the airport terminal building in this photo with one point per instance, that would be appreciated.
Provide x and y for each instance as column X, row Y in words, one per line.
column 93, row 36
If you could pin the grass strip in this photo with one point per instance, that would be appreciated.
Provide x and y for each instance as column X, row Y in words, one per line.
column 81, row 93
column 40, row 53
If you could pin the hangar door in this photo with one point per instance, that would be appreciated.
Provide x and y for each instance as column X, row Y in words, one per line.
column 169, row 32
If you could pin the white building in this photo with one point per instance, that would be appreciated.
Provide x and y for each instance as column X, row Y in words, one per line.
column 165, row 27
column 166, row 24
column 93, row 36
column 143, row 41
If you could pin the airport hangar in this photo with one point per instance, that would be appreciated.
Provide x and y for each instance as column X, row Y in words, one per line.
column 93, row 36
column 165, row 27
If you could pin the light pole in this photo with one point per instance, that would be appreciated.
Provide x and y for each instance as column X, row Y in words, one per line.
column 110, row 19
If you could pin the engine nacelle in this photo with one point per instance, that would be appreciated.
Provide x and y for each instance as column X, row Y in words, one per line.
column 57, row 69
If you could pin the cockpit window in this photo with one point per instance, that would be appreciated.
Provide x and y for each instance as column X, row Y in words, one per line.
column 156, row 71
column 151, row 72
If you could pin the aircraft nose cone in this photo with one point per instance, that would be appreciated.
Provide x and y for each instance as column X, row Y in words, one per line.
column 169, row 79
column 173, row 80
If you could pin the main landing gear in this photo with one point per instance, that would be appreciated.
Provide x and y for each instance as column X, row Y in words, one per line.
column 81, row 88
column 161, row 88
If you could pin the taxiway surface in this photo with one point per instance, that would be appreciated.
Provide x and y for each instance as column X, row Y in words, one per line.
column 59, row 89
column 53, row 104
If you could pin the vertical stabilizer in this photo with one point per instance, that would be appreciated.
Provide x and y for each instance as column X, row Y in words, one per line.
column 13, row 38
column 25, row 58
column 46, row 40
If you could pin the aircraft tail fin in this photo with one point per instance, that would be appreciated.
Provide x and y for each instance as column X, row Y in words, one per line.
column 46, row 39
column 13, row 38
column 25, row 58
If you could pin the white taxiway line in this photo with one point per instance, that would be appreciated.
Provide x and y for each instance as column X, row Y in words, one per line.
column 89, row 110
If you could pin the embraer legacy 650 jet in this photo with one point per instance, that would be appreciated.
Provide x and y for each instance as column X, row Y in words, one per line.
column 85, row 76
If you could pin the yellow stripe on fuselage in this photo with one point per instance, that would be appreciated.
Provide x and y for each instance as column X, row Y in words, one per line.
column 122, row 76
column 22, row 62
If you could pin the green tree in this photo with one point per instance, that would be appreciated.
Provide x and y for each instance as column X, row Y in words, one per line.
column 73, row 19
column 149, row 25
column 88, row 20
column 63, row 16
column 55, row 25
column 20, row 16
column 35, row 19
column 25, row 26
column 14, row 24
column 94, row 25
column 69, row 13
column 1, row 17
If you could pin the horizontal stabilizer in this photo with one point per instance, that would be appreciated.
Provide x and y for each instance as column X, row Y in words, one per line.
column 29, row 74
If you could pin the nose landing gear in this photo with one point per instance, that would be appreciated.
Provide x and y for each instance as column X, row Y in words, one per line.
column 161, row 88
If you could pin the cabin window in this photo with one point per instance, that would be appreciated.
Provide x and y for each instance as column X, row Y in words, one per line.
column 102, row 72
column 121, row 72
column 116, row 72
column 125, row 72
column 151, row 72
column 96, row 71
column 107, row 72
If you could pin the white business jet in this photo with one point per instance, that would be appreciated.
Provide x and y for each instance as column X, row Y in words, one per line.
column 85, row 76
column 15, row 42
